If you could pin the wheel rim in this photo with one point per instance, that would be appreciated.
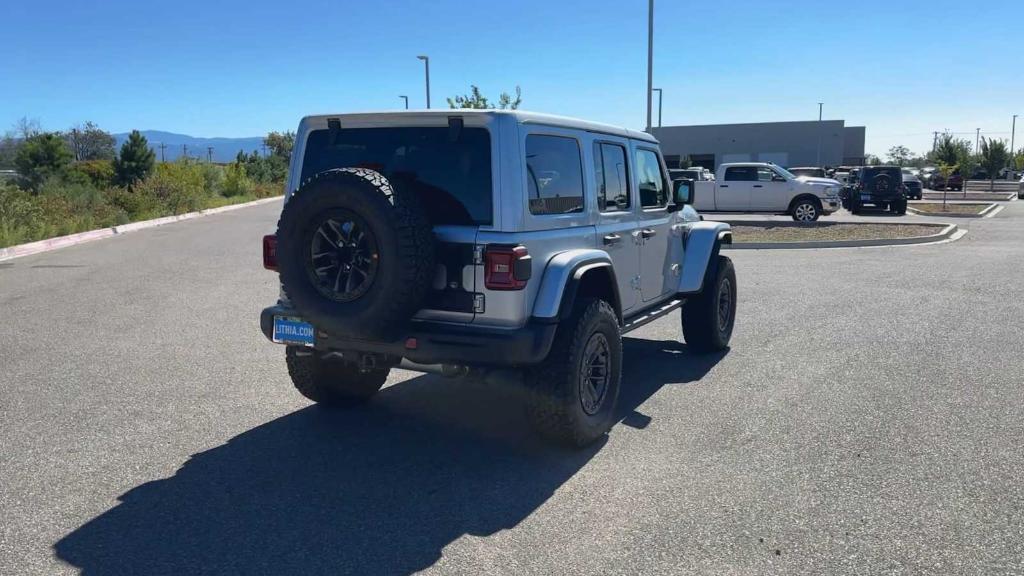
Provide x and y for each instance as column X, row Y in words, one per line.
column 724, row 304
column 804, row 212
column 594, row 373
column 343, row 257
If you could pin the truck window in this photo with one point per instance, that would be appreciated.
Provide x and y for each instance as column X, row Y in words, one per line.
column 554, row 174
column 741, row 174
column 765, row 174
column 452, row 177
column 611, row 176
column 653, row 191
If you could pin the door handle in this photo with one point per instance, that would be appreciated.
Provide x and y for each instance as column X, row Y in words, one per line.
column 648, row 232
column 723, row 185
column 758, row 186
column 612, row 239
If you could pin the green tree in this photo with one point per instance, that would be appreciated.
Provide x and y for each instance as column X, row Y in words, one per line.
column 994, row 154
column 280, row 143
column 476, row 100
column 872, row 160
column 135, row 161
column 40, row 157
column 899, row 155
column 950, row 150
column 88, row 142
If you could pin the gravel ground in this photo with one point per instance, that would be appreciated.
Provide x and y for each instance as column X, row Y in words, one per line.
column 827, row 231
column 938, row 208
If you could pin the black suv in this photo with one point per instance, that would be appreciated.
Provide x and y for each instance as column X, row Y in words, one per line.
column 880, row 186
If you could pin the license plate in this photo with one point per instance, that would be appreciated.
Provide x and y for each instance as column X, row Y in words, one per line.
column 865, row 197
column 288, row 330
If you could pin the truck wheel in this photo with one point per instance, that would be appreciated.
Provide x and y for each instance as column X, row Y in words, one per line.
column 708, row 318
column 575, row 389
column 334, row 383
column 805, row 210
column 355, row 255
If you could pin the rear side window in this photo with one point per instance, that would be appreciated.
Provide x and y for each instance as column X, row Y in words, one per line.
column 449, row 172
column 612, row 177
column 653, row 191
column 741, row 174
column 554, row 174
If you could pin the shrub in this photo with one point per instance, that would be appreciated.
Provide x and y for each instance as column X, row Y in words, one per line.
column 236, row 182
column 213, row 178
column 178, row 186
column 42, row 156
column 99, row 173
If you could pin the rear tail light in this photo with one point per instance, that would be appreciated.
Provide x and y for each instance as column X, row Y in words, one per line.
column 507, row 267
column 270, row 252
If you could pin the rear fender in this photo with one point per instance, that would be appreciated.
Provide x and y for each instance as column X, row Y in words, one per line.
column 703, row 241
column 562, row 276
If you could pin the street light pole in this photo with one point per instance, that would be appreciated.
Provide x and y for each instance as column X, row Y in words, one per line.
column 818, row 163
column 406, row 98
column 426, row 69
column 977, row 139
column 650, row 60
column 1013, row 132
column 658, row 90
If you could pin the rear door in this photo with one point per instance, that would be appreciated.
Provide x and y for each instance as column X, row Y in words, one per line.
column 733, row 192
column 652, row 185
column 617, row 222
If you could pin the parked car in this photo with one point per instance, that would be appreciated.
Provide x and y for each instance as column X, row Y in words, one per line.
column 879, row 186
column 932, row 179
column 1020, row 187
column 915, row 190
column 765, row 187
column 696, row 174
column 956, row 181
column 841, row 176
column 511, row 246
column 808, row 171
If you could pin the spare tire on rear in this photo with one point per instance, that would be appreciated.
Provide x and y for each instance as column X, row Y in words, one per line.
column 355, row 256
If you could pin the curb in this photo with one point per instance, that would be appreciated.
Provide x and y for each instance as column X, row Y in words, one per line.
column 49, row 244
column 946, row 233
column 982, row 214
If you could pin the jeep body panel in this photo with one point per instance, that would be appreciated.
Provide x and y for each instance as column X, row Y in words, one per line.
column 703, row 240
column 560, row 270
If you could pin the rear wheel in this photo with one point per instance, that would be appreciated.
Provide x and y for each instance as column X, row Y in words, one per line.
column 708, row 319
column 899, row 207
column 332, row 382
column 575, row 389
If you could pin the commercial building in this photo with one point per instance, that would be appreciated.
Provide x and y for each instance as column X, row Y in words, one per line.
column 813, row 143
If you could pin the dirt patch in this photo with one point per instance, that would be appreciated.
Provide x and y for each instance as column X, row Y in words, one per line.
column 938, row 208
column 827, row 232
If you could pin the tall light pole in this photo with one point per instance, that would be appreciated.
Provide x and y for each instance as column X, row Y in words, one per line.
column 426, row 69
column 406, row 98
column 977, row 139
column 650, row 60
column 1013, row 132
column 658, row 90
column 818, row 163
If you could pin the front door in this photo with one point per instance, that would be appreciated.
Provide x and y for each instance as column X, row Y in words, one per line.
column 733, row 192
column 655, row 221
column 617, row 219
column 771, row 192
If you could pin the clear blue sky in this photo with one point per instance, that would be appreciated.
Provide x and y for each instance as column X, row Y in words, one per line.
column 241, row 68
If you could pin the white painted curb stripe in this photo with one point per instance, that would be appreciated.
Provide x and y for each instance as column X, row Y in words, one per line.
column 947, row 232
column 994, row 212
column 82, row 237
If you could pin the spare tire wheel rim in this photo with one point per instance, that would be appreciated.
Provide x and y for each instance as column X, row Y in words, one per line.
column 343, row 256
column 595, row 373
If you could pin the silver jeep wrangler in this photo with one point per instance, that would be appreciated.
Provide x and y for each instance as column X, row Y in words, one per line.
column 494, row 243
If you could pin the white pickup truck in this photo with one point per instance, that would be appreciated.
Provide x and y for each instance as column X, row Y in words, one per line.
column 765, row 187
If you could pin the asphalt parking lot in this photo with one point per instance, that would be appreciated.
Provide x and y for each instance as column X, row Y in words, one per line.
column 869, row 418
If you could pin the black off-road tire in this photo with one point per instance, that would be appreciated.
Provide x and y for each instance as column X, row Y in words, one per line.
column 556, row 402
column 899, row 207
column 330, row 382
column 405, row 253
column 704, row 329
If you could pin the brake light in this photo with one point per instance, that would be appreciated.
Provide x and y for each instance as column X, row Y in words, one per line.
column 270, row 252
column 507, row 267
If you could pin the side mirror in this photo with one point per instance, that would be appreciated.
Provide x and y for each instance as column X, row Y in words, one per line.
column 682, row 191
column 777, row 178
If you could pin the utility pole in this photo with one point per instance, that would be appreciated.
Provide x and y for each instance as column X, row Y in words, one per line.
column 209, row 154
column 660, row 94
column 184, row 150
column 426, row 71
column 935, row 140
column 818, row 163
column 264, row 149
column 977, row 139
column 406, row 98
column 162, row 148
column 650, row 61
column 1013, row 132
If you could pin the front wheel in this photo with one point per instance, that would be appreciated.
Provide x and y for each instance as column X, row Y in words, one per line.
column 575, row 389
column 708, row 318
column 331, row 382
column 806, row 210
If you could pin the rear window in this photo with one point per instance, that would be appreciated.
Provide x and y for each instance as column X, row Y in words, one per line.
column 450, row 174
column 741, row 174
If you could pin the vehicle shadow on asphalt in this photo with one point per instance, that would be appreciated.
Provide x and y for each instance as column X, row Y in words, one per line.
column 381, row 489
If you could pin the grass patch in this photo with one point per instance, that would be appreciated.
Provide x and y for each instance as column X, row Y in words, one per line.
column 826, row 231
column 938, row 208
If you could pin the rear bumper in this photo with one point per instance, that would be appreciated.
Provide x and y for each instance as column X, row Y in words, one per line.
column 438, row 343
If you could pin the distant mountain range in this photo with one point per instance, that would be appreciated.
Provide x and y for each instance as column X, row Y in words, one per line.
column 223, row 149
